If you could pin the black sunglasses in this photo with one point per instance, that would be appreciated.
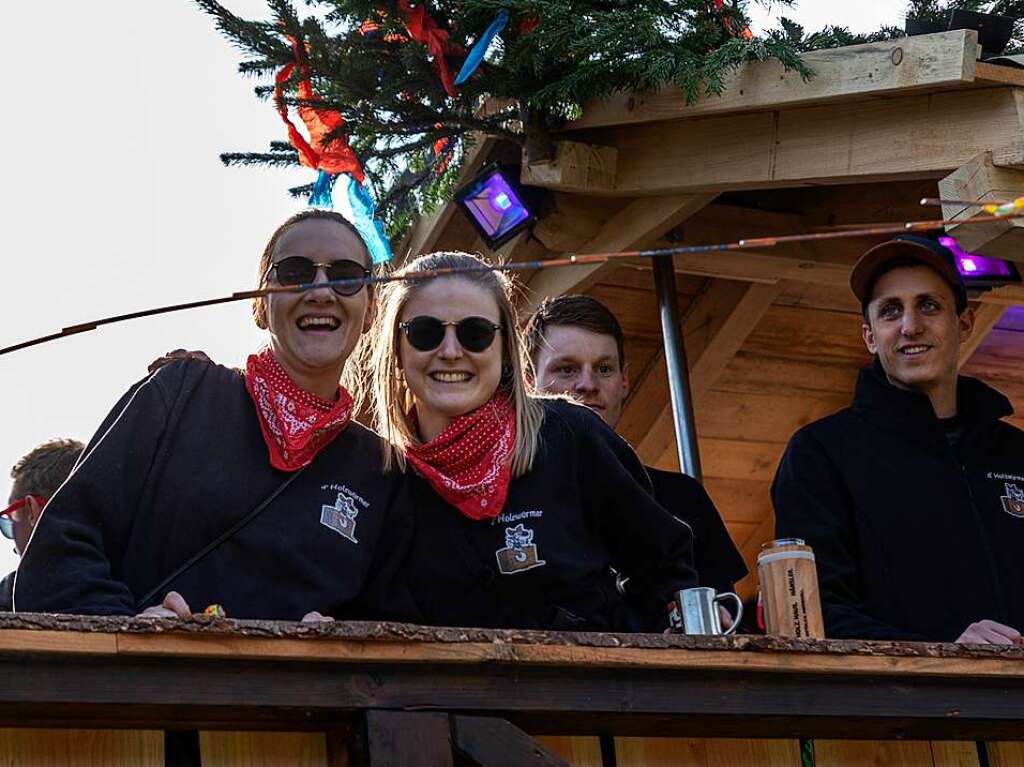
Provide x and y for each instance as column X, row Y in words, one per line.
column 475, row 334
column 299, row 270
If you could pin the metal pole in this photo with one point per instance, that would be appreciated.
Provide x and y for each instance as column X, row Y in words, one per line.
column 678, row 369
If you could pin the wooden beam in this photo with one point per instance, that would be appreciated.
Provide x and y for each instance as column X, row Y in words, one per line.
column 493, row 742
column 980, row 179
column 912, row 137
column 576, row 167
column 635, row 225
column 714, row 328
column 986, row 317
column 907, row 65
column 405, row 739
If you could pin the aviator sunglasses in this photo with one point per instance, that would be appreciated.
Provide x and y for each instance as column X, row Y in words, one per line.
column 475, row 334
column 299, row 270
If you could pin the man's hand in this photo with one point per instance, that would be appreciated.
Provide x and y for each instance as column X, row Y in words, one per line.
column 725, row 618
column 990, row 632
column 315, row 617
column 173, row 606
column 177, row 354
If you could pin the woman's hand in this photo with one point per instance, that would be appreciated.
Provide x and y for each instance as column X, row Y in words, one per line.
column 174, row 356
column 173, row 606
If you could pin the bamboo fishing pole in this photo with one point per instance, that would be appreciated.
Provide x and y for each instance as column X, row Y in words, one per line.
column 577, row 259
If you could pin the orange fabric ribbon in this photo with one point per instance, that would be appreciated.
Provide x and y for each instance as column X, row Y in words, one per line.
column 746, row 34
column 335, row 156
column 425, row 31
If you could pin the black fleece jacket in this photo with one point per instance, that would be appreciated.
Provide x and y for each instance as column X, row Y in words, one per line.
column 914, row 539
column 178, row 461
column 544, row 561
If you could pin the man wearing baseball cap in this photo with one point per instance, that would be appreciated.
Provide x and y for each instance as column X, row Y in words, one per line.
column 913, row 497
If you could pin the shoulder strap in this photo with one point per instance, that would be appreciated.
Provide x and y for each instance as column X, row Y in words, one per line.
column 142, row 603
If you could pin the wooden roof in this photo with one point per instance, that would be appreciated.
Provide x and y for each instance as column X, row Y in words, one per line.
column 773, row 336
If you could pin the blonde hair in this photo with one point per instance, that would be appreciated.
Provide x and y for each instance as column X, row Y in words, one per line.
column 392, row 400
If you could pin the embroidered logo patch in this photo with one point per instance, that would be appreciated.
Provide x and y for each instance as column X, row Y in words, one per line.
column 341, row 517
column 520, row 552
column 1013, row 501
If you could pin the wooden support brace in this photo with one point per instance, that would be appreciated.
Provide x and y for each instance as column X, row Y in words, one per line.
column 981, row 179
column 715, row 328
column 405, row 739
column 492, row 742
column 634, row 226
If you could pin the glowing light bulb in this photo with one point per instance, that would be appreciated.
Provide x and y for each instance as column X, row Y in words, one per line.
column 501, row 201
column 967, row 265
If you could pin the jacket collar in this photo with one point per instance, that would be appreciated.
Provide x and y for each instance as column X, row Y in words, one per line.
column 910, row 412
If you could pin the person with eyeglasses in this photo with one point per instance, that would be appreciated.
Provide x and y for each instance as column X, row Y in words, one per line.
column 517, row 504
column 36, row 475
column 253, row 489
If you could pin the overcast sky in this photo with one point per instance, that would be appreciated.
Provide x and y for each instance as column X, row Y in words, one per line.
column 113, row 198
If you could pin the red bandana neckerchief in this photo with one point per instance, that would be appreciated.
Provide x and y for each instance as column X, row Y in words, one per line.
column 469, row 464
column 296, row 424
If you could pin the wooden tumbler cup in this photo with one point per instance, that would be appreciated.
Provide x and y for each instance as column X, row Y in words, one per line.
column 789, row 589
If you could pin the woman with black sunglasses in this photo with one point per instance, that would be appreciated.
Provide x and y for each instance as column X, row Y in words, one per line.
column 519, row 506
column 250, row 489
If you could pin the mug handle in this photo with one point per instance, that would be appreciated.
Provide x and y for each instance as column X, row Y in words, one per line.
column 739, row 611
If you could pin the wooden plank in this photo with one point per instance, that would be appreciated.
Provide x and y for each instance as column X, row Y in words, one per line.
column 715, row 328
column 1005, row 754
column 404, row 739
column 928, row 62
column 263, row 749
column 576, row 167
column 873, row 753
column 494, row 742
column 955, row 753
column 739, row 500
column 986, row 317
column 579, row 751
column 710, row 752
column 81, row 748
column 661, row 752
column 980, row 179
column 638, row 223
column 913, row 137
column 756, row 266
column 737, row 459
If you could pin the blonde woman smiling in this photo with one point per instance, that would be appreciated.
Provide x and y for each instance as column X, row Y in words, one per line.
column 519, row 505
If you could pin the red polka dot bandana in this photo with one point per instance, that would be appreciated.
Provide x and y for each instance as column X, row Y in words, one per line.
column 469, row 464
column 296, row 424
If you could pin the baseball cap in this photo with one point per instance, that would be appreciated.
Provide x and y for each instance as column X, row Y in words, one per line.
column 907, row 246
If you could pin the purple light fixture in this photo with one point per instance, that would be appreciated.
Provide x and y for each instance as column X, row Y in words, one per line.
column 976, row 268
column 494, row 205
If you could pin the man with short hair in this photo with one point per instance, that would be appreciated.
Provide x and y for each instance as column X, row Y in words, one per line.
column 913, row 497
column 36, row 476
column 578, row 348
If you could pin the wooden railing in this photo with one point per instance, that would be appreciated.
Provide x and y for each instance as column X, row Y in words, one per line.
column 126, row 691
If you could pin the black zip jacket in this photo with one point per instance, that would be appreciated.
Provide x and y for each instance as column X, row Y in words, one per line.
column 715, row 556
column 178, row 461
column 544, row 562
column 914, row 539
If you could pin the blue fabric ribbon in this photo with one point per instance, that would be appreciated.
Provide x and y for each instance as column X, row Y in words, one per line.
column 358, row 207
column 477, row 53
